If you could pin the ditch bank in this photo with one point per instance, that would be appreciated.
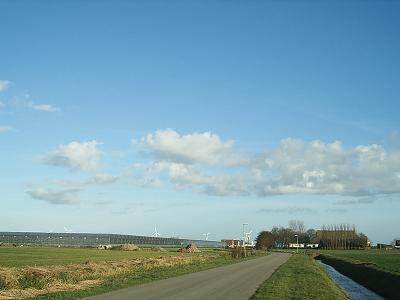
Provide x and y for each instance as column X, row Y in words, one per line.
column 383, row 283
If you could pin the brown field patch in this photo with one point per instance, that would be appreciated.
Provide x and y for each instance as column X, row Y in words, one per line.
column 24, row 282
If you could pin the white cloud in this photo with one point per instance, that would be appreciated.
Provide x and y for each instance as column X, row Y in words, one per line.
column 204, row 148
column 27, row 103
column 66, row 196
column 97, row 179
column 43, row 107
column 186, row 176
column 294, row 166
column 317, row 167
column 5, row 129
column 67, row 192
column 40, row 107
column 362, row 200
column 336, row 210
column 286, row 210
column 345, row 202
column 75, row 155
column 4, row 84
column 101, row 179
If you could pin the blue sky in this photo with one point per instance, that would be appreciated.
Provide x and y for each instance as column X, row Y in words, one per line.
column 198, row 117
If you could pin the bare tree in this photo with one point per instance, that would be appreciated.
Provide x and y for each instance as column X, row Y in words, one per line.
column 297, row 226
column 341, row 236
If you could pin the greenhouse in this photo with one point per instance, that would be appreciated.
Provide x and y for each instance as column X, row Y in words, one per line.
column 94, row 240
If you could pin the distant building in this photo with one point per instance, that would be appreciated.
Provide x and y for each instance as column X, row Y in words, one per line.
column 312, row 245
column 232, row 243
column 397, row 244
column 250, row 244
column 384, row 246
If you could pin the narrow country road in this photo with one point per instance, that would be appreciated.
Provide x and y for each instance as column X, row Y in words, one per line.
column 236, row 282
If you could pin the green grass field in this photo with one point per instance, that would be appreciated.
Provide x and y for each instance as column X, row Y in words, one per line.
column 387, row 260
column 47, row 256
column 72, row 273
column 299, row 278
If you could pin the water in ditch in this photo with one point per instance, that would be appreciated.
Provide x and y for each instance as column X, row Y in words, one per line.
column 353, row 289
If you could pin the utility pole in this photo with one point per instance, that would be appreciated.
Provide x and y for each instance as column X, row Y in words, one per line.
column 244, row 236
column 297, row 245
column 244, row 240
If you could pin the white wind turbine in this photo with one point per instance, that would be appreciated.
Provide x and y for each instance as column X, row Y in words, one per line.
column 156, row 233
column 206, row 235
column 67, row 230
column 247, row 239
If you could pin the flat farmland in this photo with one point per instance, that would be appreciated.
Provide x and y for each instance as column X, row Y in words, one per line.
column 71, row 273
column 48, row 256
column 387, row 260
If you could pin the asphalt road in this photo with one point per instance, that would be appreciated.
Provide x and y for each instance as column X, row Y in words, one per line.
column 236, row 282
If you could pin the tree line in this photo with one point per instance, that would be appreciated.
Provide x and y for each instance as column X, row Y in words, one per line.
column 340, row 236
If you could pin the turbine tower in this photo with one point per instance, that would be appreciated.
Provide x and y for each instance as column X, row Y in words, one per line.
column 67, row 230
column 244, row 235
column 156, row 233
column 247, row 239
column 206, row 235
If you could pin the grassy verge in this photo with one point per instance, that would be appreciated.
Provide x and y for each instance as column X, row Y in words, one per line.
column 369, row 275
column 386, row 260
column 299, row 278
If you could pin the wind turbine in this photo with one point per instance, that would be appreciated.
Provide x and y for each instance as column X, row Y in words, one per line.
column 156, row 233
column 206, row 235
column 247, row 237
column 244, row 233
column 67, row 230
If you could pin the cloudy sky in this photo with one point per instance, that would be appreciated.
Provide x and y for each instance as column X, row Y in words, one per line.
column 116, row 116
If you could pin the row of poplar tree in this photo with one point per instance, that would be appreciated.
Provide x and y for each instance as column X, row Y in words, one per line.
column 339, row 236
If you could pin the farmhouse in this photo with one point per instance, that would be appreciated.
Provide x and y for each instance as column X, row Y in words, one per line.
column 294, row 245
